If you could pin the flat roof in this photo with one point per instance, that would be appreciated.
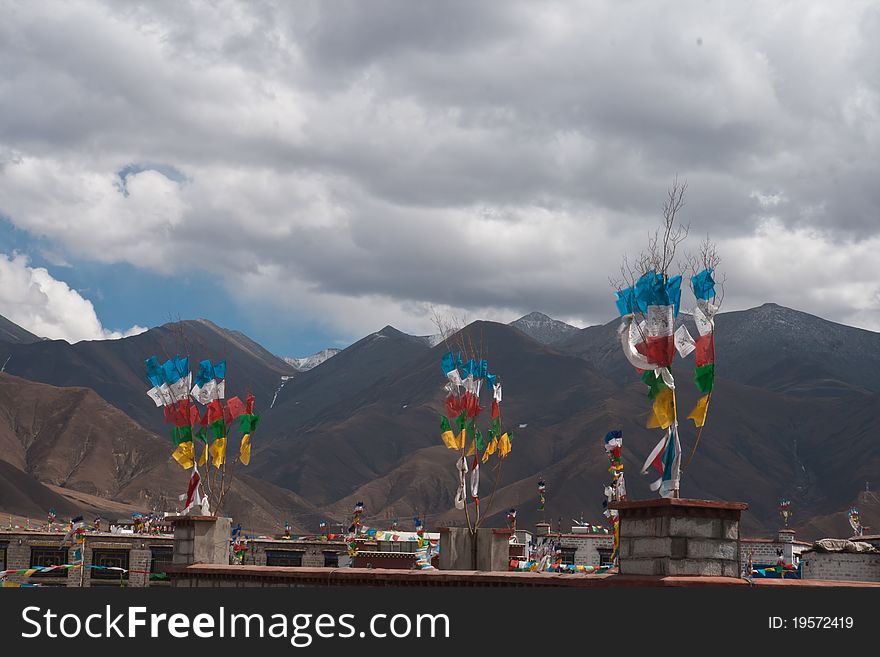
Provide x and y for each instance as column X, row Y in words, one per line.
column 392, row 577
column 61, row 534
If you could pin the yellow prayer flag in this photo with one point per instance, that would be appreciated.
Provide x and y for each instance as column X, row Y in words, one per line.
column 459, row 444
column 485, row 456
column 473, row 449
column 244, row 454
column 184, row 455
column 218, row 452
column 664, row 410
column 204, row 457
column 449, row 439
column 504, row 445
column 698, row 415
column 492, row 446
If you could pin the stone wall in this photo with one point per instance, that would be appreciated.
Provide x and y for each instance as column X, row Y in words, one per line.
column 312, row 551
column 19, row 546
column 587, row 548
column 841, row 566
column 764, row 552
column 672, row 537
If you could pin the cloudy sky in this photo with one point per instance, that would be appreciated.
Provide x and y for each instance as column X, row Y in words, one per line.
column 308, row 172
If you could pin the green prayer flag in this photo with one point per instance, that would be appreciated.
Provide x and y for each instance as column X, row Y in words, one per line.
column 218, row 429
column 479, row 439
column 202, row 434
column 704, row 377
column 248, row 423
column 181, row 434
column 444, row 424
column 654, row 382
column 461, row 420
column 471, row 429
column 495, row 427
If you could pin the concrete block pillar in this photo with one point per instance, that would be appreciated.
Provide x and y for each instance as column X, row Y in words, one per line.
column 786, row 538
column 671, row 537
column 201, row 539
column 457, row 549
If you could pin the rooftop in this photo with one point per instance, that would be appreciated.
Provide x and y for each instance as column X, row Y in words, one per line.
column 296, row 576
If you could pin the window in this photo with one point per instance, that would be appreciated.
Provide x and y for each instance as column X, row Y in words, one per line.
column 3, row 556
column 568, row 555
column 49, row 557
column 159, row 557
column 605, row 556
column 109, row 559
column 331, row 560
column 284, row 558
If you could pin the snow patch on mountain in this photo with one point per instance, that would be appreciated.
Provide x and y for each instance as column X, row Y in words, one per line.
column 431, row 340
column 543, row 329
column 310, row 362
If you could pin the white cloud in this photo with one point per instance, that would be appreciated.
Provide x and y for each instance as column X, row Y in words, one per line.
column 47, row 307
column 353, row 165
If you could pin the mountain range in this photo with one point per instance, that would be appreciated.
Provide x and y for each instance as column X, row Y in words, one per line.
column 793, row 414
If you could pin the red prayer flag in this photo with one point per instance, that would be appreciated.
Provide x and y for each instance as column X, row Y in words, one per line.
column 234, row 408
column 658, row 350
column 194, row 418
column 191, row 488
column 705, row 349
column 249, row 405
column 471, row 404
column 214, row 412
column 657, row 463
column 453, row 406
column 495, row 410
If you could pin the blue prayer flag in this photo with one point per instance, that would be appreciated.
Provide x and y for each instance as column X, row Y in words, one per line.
column 206, row 373
column 154, row 371
column 169, row 370
column 447, row 362
column 220, row 370
column 703, row 285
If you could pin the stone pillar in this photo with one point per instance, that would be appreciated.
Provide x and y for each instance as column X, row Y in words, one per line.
column 457, row 549
column 670, row 537
column 786, row 538
column 139, row 558
column 201, row 539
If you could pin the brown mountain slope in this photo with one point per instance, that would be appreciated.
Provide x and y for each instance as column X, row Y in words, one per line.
column 366, row 434
column 54, row 440
column 381, row 445
column 115, row 368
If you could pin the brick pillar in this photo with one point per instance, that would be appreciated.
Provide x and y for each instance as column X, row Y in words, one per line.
column 139, row 558
column 670, row 537
column 201, row 539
